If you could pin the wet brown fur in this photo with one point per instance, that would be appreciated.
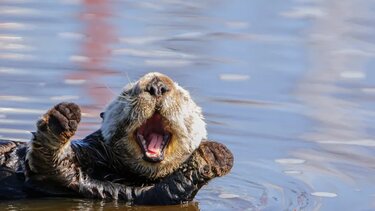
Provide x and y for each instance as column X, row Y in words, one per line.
column 103, row 164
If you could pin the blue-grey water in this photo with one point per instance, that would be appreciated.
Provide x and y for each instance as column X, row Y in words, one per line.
column 286, row 85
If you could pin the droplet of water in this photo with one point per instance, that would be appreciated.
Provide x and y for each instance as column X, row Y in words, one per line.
column 234, row 77
column 324, row 194
column 352, row 75
column 292, row 172
column 64, row 98
column 290, row 161
column 74, row 81
column 228, row 196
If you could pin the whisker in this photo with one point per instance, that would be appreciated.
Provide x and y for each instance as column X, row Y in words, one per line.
column 124, row 97
column 121, row 102
column 106, row 86
column 129, row 81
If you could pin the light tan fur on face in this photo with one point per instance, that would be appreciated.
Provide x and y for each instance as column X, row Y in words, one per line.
column 183, row 118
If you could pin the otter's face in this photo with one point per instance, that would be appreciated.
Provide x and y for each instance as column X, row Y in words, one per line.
column 153, row 126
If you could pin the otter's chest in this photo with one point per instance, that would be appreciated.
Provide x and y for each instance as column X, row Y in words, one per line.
column 98, row 161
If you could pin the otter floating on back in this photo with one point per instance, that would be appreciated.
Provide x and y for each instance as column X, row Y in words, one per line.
column 150, row 149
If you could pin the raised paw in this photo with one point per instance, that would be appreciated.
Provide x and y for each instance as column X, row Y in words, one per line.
column 62, row 120
column 218, row 158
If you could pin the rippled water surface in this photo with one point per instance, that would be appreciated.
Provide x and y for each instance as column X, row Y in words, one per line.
column 286, row 85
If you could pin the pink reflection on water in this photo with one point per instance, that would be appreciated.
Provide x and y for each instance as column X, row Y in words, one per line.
column 95, row 52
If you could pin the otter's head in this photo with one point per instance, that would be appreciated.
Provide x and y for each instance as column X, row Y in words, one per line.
column 153, row 126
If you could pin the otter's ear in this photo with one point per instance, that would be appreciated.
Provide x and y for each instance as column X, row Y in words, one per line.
column 102, row 115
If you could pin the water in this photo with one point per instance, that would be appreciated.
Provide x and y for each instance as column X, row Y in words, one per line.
column 286, row 85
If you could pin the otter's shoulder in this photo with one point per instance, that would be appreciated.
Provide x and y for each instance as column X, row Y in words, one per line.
column 11, row 152
column 91, row 150
column 12, row 158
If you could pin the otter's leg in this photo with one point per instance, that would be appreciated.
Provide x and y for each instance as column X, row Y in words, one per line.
column 50, row 146
column 210, row 160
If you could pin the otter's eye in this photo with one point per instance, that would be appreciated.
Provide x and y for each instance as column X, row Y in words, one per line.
column 130, row 92
column 125, row 93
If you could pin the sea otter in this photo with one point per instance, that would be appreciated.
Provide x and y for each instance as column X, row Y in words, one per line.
column 151, row 149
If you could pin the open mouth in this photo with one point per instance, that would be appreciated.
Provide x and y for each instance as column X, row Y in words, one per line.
column 153, row 138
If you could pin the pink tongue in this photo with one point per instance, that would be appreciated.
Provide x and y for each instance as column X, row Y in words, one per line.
column 155, row 143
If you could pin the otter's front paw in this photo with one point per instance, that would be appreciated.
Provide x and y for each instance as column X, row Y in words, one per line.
column 218, row 159
column 62, row 120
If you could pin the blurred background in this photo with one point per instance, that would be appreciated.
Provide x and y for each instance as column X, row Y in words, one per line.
column 286, row 85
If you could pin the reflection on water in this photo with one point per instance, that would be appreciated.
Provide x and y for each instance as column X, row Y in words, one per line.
column 85, row 204
column 330, row 89
column 287, row 87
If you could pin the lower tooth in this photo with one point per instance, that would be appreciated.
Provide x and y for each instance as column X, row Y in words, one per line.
column 140, row 137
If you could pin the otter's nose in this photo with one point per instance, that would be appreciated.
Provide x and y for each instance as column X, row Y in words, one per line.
column 156, row 87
